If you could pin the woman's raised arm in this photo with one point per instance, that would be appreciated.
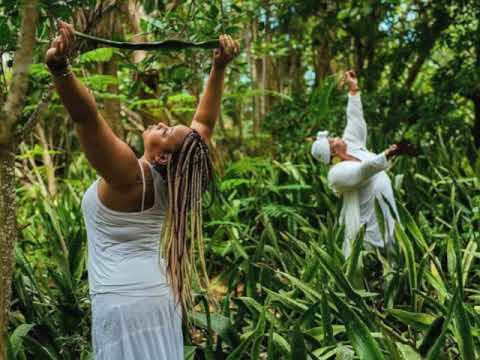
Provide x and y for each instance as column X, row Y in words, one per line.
column 356, row 129
column 208, row 109
column 108, row 154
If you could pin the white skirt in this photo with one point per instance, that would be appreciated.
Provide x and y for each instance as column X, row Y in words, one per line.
column 131, row 328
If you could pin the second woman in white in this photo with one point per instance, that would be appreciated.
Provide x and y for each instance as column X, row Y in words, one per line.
column 358, row 175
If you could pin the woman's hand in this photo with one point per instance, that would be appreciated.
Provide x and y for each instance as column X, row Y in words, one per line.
column 352, row 81
column 229, row 48
column 401, row 148
column 391, row 151
column 61, row 47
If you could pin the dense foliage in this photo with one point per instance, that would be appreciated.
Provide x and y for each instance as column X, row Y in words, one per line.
column 280, row 287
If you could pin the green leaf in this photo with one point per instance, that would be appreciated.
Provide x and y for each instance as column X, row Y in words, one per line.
column 382, row 225
column 419, row 321
column 464, row 333
column 353, row 269
column 299, row 349
column 189, row 352
column 220, row 324
column 326, row 314
column 16, row 338
column 431, row 351
column 281, row 343
column 468, row 256
column 431, row 336
column 341, row 281
column 407, row 352
column 359, row 334
column 103, row 54
column 409, row 255
column 411, row 225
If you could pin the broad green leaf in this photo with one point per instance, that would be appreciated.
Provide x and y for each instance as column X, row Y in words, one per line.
column 359, row 334
column 431, row 349
column 16, row 338
column 464, row 332
column 220, row 324
column 103, row 54
column 409, row 254
column 189, row 352
column 419, row 321
column 341, row 281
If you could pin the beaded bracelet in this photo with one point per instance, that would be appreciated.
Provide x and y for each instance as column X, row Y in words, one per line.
column 60, row 70
column 63, row 73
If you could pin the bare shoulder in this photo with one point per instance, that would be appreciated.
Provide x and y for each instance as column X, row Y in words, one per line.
column 127, row 197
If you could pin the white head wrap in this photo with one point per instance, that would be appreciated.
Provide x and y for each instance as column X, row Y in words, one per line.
column 321, row 147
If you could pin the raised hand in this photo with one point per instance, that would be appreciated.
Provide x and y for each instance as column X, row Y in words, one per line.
column 351, row 79
column 229, row 48
column 402, row 148
column 60, row 49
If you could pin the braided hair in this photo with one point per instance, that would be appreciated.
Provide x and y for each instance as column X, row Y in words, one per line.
column 188, row 174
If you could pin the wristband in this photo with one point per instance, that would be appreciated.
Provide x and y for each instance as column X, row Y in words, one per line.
column 62, row 73
column 61, row 69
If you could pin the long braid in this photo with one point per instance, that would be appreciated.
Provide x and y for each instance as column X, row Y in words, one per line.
column 189, row 173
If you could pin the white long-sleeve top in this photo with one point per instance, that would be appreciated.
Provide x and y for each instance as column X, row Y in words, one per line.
column 360, row 182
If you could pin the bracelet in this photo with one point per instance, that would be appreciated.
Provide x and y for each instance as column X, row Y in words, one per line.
column 61, row 69
column 67, row 71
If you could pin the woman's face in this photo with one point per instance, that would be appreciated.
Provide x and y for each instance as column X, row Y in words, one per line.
column 337, row 146
column 163, row 139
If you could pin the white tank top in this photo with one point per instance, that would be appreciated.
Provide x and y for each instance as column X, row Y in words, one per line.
column 123, row 247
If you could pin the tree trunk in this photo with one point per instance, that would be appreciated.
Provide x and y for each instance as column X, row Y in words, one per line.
column 22, row 60
column 476, row 123
column 9, row 115
column 255, row 66
column 8, row 235
column 266, row 64
column 321, row 62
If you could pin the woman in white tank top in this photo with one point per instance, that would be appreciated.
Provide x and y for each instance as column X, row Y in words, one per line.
column 137, row 294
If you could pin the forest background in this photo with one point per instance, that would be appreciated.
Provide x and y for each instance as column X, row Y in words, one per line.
column 281, row 286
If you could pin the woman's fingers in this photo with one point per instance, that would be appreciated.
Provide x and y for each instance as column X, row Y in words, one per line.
column 228, row 46
column 228, row 41
column 67, row 30
column 61, row 46
column 53, row 51
column 222, row 42
column 57, row 44
column 65, row 39
column 237, row 46
column 227, row 50
column 71, row 33
column 232, row 44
